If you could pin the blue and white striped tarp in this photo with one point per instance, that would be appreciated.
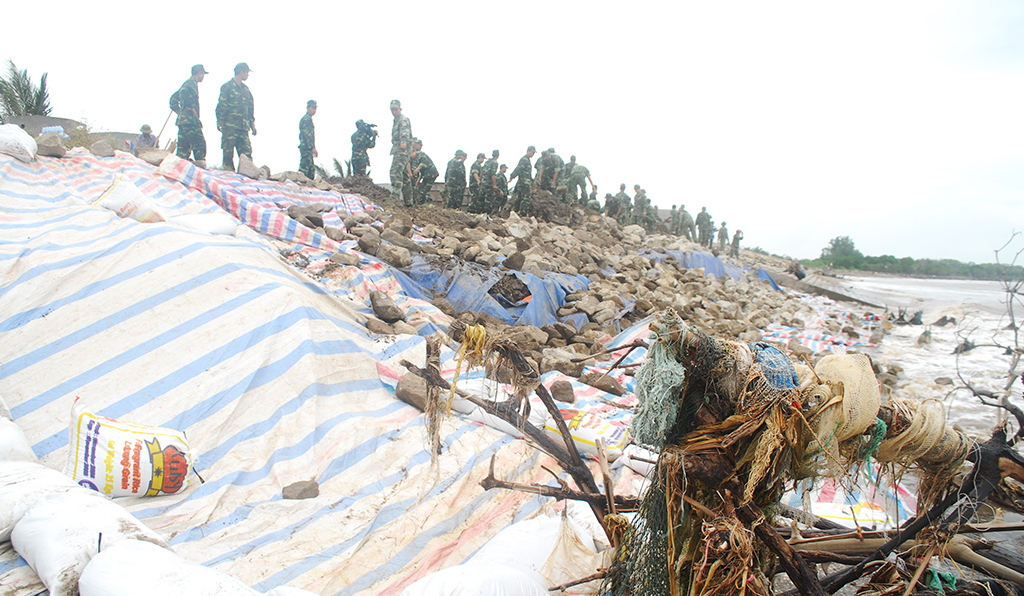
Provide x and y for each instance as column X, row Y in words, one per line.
column 271, row 376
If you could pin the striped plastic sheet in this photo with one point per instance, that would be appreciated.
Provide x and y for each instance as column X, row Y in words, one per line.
column 268, row 372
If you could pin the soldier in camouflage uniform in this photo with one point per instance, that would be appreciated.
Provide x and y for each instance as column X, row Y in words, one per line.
column 401, row 145
column 594, row 204
column 704, row 227
column 578, row 178
column 422, row 172
column 735, row 251
column 549, row 169
column 185, row 103
column 365, row 137
column 523, row 175
column 488, row 184
column 686, row 227
column 625, row 209
column 673, row 221
column 307, row 141
column 500, row 189
column 236, row 116
column 611, row 205
column 723, row 238
column 476, row 187
column 455, row 180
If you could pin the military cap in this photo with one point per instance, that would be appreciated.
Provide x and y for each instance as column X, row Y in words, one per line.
column 459, row 152
column 607, row 195
column 502, row 166
column 146, row 129
column 396, row 104
column 531, row 148
column 242, row 66
column 311, row 103
column 479, row 155
column 198, row 68
column 495, row 153
column 551, row 149
column 360, row 122
column 415, row 140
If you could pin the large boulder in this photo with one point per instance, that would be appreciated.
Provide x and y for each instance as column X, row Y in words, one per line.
column 396, row 256
column 385, row 308
column 102, row 148
column 412, row 390
column 247, row 168
column 153, row 156
column 50, row 145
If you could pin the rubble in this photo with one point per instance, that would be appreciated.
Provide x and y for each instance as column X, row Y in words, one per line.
column 50, row 145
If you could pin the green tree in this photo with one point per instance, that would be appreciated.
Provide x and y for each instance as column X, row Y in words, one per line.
column 19, row 96
column 840, row 247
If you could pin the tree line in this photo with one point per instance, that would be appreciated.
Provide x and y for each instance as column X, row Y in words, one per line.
column 842, row 253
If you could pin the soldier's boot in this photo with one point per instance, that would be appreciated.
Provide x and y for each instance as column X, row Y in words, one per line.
column 201, row 163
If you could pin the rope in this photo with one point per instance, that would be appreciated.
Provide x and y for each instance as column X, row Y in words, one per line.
column 472, row 345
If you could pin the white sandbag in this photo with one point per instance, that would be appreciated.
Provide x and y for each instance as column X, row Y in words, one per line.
column 490, row 389
column 133, row 567
column 22, row 484
column 122, row 459
column 637, row 458
column 13, row 444
column 62, row 532
column 125, row 199
column 211, row 223
column 587, row 428
column 14, row 141
column 5, row 412
column 476, row 580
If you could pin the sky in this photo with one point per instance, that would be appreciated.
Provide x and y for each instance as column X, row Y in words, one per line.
column 898, row 124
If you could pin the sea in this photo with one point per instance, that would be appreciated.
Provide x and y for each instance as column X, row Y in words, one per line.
column 980, row 310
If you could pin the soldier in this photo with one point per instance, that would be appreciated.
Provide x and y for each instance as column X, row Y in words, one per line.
column 236, row 116
column 673, row 221
column 578, row 177
column 422, row 172
column 523, row 174
column 185, row 103
column 307, row 141
column 593, row 203
column 704, row 227
column 593, row 193
column 611, row 206
column 500, row 189
column 365, row 137
column 488, row 184
column 639, row 205
column 550, row 167
column 686, row 226
column 723, row 238
column 455, row 179
column 475, row 187
column 401, row 143
column 735, row 252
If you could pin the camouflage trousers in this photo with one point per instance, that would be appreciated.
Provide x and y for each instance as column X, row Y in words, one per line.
column 521, row 196
column 358, row 167
column 423, row 186
column 477, row 199
column 581, row 185
column 232, row 140
column 191, row 142
column 306, row 163
column 455, row 194
column 689, row 232
column 496, row 200
column 400, row 178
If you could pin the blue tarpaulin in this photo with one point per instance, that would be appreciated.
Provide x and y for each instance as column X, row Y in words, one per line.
column 768, row 278
column 465, row 286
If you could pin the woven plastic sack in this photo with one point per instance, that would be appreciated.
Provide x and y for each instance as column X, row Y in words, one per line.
column 22, row 485
column 122, row 459
column 62, row 532
column 586, row 428
column 860, row 400
column 125, row 199
column 14, row 141
column 13, row 444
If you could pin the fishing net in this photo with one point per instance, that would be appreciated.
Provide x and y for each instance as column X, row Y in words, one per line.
column 659, row 391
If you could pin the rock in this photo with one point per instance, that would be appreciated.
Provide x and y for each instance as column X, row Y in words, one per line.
column 403, row 328
column 378, row 327
column 304, row 489
column 345, row 258
column 102, row 148
column 603, row 316
column 247, row 168
column 799, row 350
column 562, row 391
column 943, row 381
column 397, row 239
column 527, row 337
column 451, row 242
column 385, row 308
column 369, row 243
column 396, row 256
column 412, row 390
column 471, row 253
column 50, row 145
column 560, row 359
column 515, row 261
column 604, row 383
column 153, row 156
column 400, row 227
column 587, row 306
column 337, row 234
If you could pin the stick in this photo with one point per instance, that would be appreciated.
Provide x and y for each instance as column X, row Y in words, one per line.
column 589, row 578
column 163, row 127
column 920, row 569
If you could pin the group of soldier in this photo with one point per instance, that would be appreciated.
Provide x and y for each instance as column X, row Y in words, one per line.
column 702, row 230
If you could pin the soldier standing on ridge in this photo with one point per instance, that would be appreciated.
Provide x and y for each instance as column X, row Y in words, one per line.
column 578, row 178
column 185, row 103
column 523, row 174
column 401, row 144
column 455, row 179
column 686, row 226
column 550, row 167
column 704, row 227
column 236, row 116
column 307, row 141
column 488, row 182
column 723, row 238
column 422, row 172
column 500, row 189
column 735, row 252
column 673, row 221
column 365, row 137
column 475, row 185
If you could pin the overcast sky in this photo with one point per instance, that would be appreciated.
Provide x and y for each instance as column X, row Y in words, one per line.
column 898, row 124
